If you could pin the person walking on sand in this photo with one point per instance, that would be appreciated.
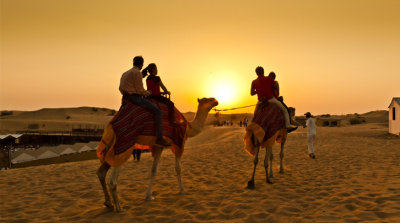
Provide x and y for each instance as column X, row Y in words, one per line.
column 131, row 87
column 310, row 124
column 136, row 154
column 263, row 87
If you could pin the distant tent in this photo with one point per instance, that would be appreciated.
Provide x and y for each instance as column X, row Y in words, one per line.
column 67, row 151
column 47, row 154
column 15, row 136
column 85, row 148
column 23, row 157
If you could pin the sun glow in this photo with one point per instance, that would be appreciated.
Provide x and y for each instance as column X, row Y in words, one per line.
column 224, row 88
column 224, row 93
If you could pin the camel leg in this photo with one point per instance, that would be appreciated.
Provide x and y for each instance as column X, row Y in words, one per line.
column 157, row 155
column 178, row 174
column 271, row 158
column 102, row 173
column 266, row 159
column 250, row 184
column 281, row 156
column 112, row 184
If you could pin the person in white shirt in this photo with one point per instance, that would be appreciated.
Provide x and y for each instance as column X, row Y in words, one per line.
column 131, row 87
column 310, row 123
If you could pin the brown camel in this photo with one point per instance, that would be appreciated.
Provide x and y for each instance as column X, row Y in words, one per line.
column 108, row 140
column 254, row 140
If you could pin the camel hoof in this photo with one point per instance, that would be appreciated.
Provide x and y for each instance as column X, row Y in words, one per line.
column 182, row 192
column 271, row 176
column 269, row 181
column 109, row 205
column 281, row 171
column 119, row 210
column 149, row 198
column 250, row 185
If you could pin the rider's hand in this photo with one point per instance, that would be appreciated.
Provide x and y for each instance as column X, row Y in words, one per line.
column 148, row 93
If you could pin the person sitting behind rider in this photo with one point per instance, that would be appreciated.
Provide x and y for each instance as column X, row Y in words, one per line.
column 154, row 84
column 275, row 91
column 263, row 86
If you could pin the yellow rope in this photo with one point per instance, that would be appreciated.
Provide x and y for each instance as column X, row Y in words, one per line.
column 234, row 108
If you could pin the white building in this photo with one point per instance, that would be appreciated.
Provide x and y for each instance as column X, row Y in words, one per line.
column 394, row 116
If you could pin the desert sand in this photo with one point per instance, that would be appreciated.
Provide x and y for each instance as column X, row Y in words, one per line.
column 355, row 178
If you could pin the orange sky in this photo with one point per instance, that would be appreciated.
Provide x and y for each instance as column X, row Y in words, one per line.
column 333, row 57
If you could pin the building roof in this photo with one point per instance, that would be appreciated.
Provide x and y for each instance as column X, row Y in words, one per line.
column 85, row 148
column 16, row 136
column 330, row 118
column 47, row 154
column 396, row 99
column 68, row 150
column 23, row 158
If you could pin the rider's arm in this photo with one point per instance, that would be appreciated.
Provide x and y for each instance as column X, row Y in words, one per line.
column 164, row 88
column 253, row 89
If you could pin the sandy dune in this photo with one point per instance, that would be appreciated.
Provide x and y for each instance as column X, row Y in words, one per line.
column 356, row 177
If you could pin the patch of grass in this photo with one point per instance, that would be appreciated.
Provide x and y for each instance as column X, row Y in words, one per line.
column 355, row 121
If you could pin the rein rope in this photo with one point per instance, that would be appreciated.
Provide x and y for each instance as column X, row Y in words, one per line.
column 234, row 108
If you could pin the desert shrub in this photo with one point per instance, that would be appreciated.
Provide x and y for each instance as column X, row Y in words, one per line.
column 4, row 113
column 33, row 126
column 68, row 117
column 355, row 121
column 112, row 112
column 95, row 109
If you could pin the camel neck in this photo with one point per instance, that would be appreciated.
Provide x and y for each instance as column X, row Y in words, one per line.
column 198, row 122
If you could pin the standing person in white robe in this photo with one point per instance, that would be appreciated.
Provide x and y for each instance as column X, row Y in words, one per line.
column 310, row 124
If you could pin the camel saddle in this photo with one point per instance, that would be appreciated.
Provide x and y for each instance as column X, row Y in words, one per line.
column 133, row 121
column 268, row 121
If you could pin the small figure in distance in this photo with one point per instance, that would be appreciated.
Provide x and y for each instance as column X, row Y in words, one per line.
column 310, row 124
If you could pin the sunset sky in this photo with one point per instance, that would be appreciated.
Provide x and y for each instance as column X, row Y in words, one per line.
column 336, row 57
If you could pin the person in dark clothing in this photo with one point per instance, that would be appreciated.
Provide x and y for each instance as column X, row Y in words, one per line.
column 154, row 84
column 136, row 154
column 131, row 87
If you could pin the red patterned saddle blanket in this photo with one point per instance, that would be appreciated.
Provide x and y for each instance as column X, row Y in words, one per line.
column 133, row 120
column 269, row 117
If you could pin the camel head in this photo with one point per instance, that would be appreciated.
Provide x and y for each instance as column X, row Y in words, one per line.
column 204, row 107
column 207, row 103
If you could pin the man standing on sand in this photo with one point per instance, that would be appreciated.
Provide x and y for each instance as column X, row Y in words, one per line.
column 310, row 124
column 131, row 87
column 263, row 87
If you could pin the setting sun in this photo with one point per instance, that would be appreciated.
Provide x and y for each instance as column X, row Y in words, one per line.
column 224, row 87
column 224, row 93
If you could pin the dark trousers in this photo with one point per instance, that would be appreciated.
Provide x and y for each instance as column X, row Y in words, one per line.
column 136, row 154
column 169, row 103
column 146, row 104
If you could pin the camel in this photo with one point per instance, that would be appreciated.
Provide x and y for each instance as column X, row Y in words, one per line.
column 193, row 129
column 254, row 140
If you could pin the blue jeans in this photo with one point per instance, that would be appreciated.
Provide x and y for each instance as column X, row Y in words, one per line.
column 146, row 104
